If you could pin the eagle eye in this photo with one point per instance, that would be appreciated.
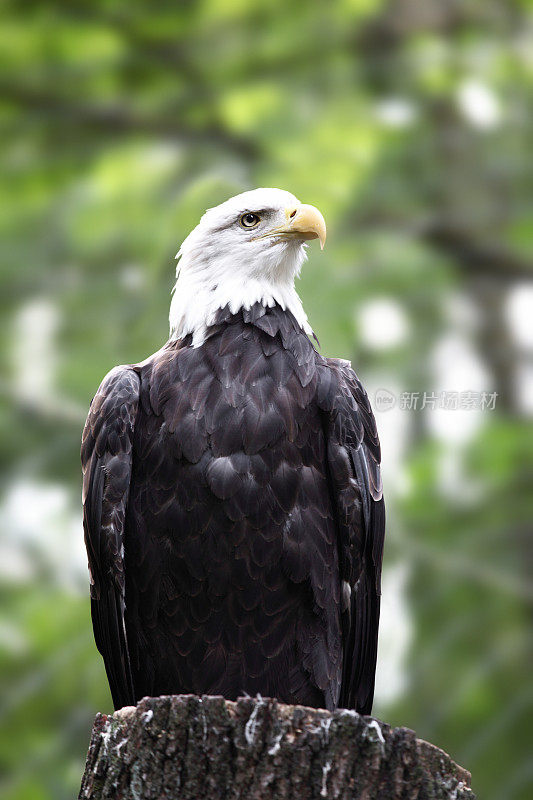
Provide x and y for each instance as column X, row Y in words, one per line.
column 250, row 220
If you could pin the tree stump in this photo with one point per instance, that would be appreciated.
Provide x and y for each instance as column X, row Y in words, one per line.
column 209, row 748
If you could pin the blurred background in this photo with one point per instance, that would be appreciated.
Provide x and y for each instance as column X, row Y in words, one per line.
column 409, row 124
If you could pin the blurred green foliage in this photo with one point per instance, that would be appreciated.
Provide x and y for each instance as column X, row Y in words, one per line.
column 408, row 123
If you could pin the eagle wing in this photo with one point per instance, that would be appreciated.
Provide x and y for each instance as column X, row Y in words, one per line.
column 106, row 456
column 353, row 455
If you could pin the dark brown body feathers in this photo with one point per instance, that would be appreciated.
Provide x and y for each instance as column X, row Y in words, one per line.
column 234, row 520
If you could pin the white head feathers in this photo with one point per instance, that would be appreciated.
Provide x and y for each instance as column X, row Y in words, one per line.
column 247, row 250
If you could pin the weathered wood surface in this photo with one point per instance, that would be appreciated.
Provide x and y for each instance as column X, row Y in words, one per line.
column 207, row 748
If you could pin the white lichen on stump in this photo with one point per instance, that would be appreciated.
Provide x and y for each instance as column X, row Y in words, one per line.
column 195, row 748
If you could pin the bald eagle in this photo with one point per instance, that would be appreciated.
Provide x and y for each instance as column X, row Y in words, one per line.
column 233, row 509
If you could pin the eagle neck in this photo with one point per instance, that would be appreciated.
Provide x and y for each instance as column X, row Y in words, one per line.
column 196, row 306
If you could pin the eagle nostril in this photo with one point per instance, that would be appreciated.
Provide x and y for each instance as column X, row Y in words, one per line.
column 293, row 214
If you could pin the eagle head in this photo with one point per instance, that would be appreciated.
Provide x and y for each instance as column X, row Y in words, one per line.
column 247, row 250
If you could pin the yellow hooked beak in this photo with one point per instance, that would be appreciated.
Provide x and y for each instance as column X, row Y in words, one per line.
column 303, row 222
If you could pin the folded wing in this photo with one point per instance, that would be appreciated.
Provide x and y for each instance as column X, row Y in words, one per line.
column 106, row 456
column 353, row 455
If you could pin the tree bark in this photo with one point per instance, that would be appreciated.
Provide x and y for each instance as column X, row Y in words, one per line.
column 209, row 748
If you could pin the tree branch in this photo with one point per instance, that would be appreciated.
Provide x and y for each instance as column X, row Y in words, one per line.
column 485, row 258
column 118, row 118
